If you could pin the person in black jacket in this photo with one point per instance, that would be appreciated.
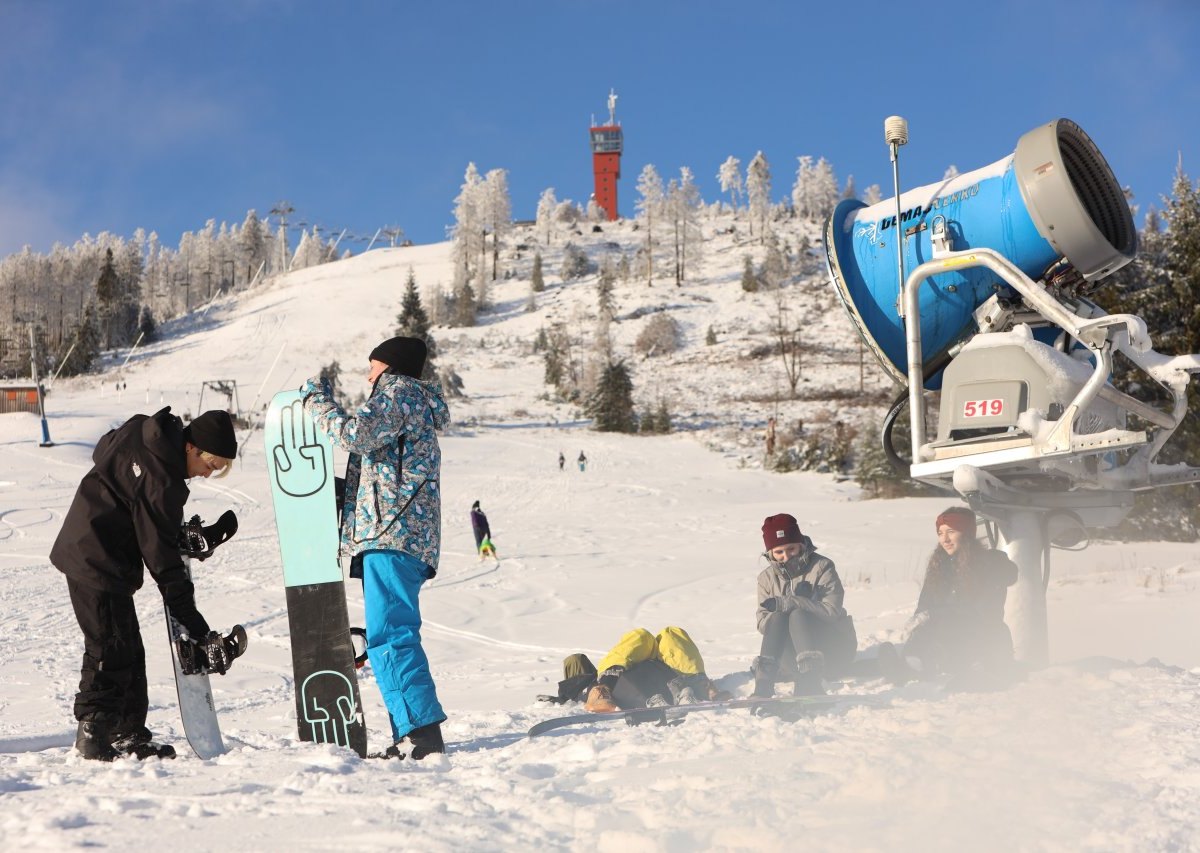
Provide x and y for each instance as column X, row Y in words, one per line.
column 126, row 515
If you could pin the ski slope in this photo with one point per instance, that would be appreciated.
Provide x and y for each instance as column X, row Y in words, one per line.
column 1099, row 751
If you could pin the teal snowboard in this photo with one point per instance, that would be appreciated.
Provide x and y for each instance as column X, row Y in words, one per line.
column 300, row 465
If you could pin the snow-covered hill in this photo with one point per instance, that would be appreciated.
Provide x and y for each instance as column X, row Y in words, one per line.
column 1099, row 751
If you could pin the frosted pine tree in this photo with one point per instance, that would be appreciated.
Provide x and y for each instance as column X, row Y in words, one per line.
column 758, row 193
column 546, row 206
column 649, row 208
column 467, row 231
column 730, row 176
column 499, row 213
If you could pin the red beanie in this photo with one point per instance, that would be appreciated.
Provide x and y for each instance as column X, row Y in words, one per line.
column 957, row 517
column 779, row 530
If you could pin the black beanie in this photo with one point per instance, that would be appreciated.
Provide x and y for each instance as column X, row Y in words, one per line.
column 213, row 432
column 405, row 356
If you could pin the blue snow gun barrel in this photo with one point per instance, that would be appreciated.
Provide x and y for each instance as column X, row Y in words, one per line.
column 1053, row 198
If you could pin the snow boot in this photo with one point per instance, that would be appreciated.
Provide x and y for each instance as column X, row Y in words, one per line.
column 810, row 672
column 893, row 667
column 763, row 669
column 425, row 740
column 600, row 700
column 139, row 743
column 92, row 741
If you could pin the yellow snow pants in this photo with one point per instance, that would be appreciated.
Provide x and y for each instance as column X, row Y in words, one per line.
column 672, row 646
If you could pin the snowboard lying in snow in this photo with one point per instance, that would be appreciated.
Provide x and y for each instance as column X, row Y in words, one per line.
column 778, row 706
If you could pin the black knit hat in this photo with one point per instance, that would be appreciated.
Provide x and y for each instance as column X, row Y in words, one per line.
column 213, row 432
column 404, row 356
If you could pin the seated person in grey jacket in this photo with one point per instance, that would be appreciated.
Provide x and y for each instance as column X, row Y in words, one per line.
column 800, row 613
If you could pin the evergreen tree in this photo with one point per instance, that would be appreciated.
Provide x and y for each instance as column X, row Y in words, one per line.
column 1162, row 286
column 412, row 321
column 537, row 282
column 108, row 289
column 86, row 345
column 146, row 325
column 606, row 303
column 749, row 277
column 662, row 418
column 611, row 404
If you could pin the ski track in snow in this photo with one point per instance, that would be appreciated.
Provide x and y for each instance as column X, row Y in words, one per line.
column 1099, row 751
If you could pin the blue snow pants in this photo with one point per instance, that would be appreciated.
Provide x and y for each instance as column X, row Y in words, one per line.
column 391, row 583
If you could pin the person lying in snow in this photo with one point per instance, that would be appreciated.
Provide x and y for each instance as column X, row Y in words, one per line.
column 805, row 629
column 642, row 670
column 959, row 621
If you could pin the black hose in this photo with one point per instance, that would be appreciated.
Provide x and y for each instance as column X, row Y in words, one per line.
column 889, row 420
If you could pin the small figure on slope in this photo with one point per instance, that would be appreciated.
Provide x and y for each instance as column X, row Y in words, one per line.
column 805, row 628
column 125, row 518
column 483, row 533
column 582, row 461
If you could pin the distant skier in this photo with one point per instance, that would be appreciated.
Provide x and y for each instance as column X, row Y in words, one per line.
column 483, row 533
column 582, row 461
column 562, row 460
column 126, row 517
column 391, row 525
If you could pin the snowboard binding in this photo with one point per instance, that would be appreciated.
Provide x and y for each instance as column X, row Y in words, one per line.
column 198, row 541
column 214, row 654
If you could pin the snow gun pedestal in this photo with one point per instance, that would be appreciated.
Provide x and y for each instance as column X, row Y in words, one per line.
column 993, row 320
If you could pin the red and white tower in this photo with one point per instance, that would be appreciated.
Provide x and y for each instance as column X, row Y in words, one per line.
column 607, row 144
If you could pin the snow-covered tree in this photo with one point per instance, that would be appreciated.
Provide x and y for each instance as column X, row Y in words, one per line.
column 872, row 195
column 546, row 206
column 469, row 222
column 730, row 176
column 758, row 193
column 498, row 207
column 683, row 216
column 649, row 208
column 825, row 191
column 849, row 190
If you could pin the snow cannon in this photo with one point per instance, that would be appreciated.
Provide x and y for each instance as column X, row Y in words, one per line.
column 1053, row 208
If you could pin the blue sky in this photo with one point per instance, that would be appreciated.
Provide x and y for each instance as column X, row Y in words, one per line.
column 117, row 114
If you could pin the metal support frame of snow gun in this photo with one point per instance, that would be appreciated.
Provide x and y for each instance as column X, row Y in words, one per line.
column 995, row 313
column 986, row 419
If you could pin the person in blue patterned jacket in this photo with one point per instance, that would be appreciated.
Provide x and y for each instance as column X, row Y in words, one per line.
column 391, row 525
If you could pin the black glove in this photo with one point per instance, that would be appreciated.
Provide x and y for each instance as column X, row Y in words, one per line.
column 770, row 604
column 803, row 590
column 216, row 653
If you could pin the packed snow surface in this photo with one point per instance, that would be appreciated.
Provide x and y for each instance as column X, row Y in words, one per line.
column 1098, row 751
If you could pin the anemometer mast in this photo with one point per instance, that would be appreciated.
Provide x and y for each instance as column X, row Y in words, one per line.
column 974, row 293
column 607, row 144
